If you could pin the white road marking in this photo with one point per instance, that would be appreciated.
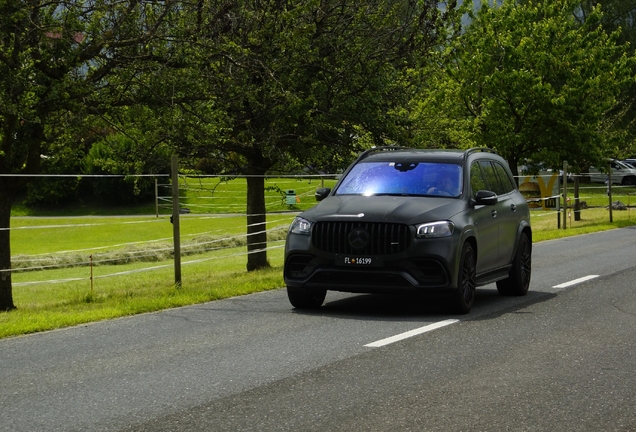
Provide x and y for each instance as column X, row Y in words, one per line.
column 411, row 333
column 575, row 281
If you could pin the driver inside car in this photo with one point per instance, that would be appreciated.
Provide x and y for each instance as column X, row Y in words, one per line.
column 444, row 186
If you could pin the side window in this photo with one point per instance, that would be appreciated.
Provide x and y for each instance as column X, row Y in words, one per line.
column 491, row 178
column 476, row 179
column 505, row 180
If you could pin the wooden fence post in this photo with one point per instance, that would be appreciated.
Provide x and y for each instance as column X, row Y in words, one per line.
column 609, row 191
column 565, row 194
column 176, row 235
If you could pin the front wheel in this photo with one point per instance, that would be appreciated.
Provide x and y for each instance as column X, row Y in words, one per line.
column 304, row 298
column 464, row 296
column 518, row 282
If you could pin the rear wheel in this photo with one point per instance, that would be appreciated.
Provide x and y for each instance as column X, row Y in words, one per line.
column 304, row 298
column 518, row 282
column 629, row 181
column 464, row 296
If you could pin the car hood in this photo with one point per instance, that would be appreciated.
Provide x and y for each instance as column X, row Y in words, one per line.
column 397, row 209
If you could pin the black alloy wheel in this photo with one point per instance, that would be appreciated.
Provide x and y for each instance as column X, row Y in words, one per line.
column 518, row 282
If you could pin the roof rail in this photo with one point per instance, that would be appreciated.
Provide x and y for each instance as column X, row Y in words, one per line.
column 480, row 149
column 366, row 153
column 372, row 150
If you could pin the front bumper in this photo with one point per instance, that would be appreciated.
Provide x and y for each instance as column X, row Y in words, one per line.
column 426, row 264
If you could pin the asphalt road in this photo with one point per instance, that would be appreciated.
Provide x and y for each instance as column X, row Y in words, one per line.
column 562, row 358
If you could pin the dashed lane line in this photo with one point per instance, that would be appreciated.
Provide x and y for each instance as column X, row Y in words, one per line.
column 575, row 281
column 434, row 326
column 411, row 333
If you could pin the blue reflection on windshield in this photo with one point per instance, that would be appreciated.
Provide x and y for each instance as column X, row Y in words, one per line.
column 389, row 178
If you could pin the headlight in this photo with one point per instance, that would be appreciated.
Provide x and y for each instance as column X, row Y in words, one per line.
column 435, row 229
column 300, row 226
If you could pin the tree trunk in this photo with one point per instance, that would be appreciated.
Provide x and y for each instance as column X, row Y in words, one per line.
column 514, row 167
column 256, row 226
column 6, row 200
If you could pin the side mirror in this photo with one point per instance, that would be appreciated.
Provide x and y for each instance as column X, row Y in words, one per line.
column 485, row 197
column 322, row 193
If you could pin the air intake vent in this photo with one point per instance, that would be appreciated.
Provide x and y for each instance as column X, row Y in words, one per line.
column 361, row 238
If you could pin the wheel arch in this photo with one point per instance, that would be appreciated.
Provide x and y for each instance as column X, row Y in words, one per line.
column 524, row 228
column 468, row 236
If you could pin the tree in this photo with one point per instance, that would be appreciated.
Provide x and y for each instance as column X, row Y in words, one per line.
column 130, row 142
column 58, row 63
column 530, row 81
column 619, row 15
column 299, row 82
column 126, row 141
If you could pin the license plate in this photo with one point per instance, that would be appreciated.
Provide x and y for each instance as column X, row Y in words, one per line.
column 358, row 261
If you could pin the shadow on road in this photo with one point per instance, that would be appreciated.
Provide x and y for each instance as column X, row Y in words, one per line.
column 403, row 307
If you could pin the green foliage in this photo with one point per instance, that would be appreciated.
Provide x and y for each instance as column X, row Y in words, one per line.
column 125, row 142
column 55, row 61
column 283, row 86
column 56, row 190
column 619, row 15
column 530, row 81
column 119, row 154
column 275, row 86
column 61, row 62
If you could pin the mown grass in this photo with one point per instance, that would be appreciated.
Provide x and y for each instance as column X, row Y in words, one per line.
column 217, row 275
column 132, row 267
column 545, row 227
column 218, row 195
column 38, row 238
column 133, row 270
column 594, row 216
column 200, row 195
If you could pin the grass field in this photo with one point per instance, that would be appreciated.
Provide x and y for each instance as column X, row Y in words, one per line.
column 132, row 269
column 214, row 195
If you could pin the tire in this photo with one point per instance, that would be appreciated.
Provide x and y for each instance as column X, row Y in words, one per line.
column 518, row 282
column 629, row 181
column 464, row 296
column 302, row 298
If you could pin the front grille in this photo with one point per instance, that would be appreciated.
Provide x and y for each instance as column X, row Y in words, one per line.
column 383, row 238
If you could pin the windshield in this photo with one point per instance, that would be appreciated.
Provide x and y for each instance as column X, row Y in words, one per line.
column 621, row 165
column 403, row 178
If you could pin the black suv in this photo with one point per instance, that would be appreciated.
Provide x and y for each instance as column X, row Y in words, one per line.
column 402, row 219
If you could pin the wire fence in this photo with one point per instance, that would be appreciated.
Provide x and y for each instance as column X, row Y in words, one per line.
column 213, row 209
column 568, row 195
